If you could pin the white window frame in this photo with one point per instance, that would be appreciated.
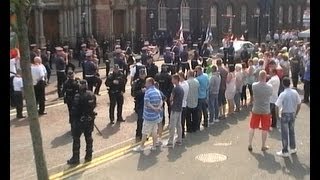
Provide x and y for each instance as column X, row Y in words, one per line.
column 290, row 14
column 213, row 16
column 243, row 15
column 280, row 15
column 185, row 15
column 298, row 14
column 162, row 16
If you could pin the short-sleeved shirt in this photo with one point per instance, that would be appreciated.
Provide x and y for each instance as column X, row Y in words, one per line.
column 37, row 73
column 288, row 101
column 185, row 87
column 204, row 85
column 152, row 96
column 192, row 98
column 275, row 82
column 261, row 97
column 17, row 83
column 177, row 93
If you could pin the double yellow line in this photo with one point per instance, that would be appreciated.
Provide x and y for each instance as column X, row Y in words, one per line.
column 100, row 160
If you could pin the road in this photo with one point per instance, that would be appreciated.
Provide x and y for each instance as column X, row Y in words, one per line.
column 113, row 156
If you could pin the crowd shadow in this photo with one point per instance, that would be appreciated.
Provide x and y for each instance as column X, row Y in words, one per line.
column 110, row 130
column 131, row 118
column 64, row 139
column 217, row 129
column 196, row 137
column 295, row 168
column 19, row 122
column 176, row 152
column 275, row 134
column 267, row 162
column 147, row 160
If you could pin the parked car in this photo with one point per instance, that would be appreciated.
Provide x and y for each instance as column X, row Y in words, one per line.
column 238, row 48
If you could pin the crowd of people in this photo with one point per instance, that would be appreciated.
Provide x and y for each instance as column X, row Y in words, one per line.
column 196, row 88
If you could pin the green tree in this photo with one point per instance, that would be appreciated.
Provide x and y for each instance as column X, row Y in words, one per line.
column 22, row 11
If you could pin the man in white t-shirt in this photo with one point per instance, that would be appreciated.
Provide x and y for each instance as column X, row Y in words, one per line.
column 18, row 93
column 275, row 82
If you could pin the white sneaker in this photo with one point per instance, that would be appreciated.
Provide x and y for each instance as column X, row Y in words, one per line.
column 216, row 120
column 293, row 151
column 280, row 153
column 138, row 149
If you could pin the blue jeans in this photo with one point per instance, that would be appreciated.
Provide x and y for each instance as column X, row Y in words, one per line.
column 287, row 131
column 202, row 110
column 237, row 98
column 213, row 107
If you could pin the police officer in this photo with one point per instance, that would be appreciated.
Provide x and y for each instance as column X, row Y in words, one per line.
column 83, row 116
column 295, row 62
column 116, row 82
column 45, row 61
column 144, row 55
column 152, row 69
column 135, row 69
column 184, row 58
column 120, row 60
column 91, row 70
column 69, row 90
column 168, row 59
column 60, row 68
column 138, row 94
column 165, row 86
column 176, row 60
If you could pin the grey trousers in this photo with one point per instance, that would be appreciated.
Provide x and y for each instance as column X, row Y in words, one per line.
column 175, row 122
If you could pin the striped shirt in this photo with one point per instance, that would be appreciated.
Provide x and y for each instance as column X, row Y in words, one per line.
column 152, row 96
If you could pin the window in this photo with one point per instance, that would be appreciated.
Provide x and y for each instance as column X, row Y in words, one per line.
column 229, row 10
column 162, row 16
column 280, row 15
column 213, row 16
column 185, row 15
column 290, row 14
column 298, row 14
column 243, row 15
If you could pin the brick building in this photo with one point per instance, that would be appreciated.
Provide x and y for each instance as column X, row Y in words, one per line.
column 64, row 20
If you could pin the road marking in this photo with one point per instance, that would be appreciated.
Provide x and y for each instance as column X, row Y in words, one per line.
column 100, row 160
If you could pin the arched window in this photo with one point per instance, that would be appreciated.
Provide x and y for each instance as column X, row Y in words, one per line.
column 229, row 10
column 213, row 16
column 290, row 14
column 243, row 15
column 299, row 14
column 185, row 15
column 162, row 16
column 280, row 15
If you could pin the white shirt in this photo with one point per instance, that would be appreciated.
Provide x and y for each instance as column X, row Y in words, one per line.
column 185, row 87
column 288, row 101
column 17, row 83
column 275, row 82
column 13, row 67
column 37, row 73
column 133, row 69
column 276, row 36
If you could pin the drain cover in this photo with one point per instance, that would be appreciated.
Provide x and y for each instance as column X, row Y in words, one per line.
column 211, row 157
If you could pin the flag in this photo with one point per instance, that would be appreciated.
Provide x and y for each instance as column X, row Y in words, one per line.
column 180, row 33
column 208, row 35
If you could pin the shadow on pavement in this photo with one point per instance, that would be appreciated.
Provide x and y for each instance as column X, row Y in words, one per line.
column 149, row 160
column 219, row 128
column 19, row 122
column 267, row 162
column 275, row 134
column 110, row 130
column 77, row 175
column 131, row 118
column 295, row 168
column 176, row 152
column 196, row 137
column 64, row 139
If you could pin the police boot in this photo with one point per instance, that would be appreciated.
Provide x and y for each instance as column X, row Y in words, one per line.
column 89, row 151
column 88, row 156
column 75, row 160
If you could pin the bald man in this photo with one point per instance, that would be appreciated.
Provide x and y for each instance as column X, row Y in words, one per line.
column 261, row 109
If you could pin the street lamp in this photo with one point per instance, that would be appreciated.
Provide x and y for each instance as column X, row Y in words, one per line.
column 83, row 17
column 151, row 16
column 257, row 15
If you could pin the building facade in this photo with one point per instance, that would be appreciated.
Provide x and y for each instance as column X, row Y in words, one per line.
column 69, row 20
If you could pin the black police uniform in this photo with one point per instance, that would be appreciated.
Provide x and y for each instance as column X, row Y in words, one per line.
column 152, row 70
column 144, row 58
column 168, row 59
column 90, row 69
column 116, row 94
column 176, row 60
column 61, row 74
column 231, row 56
column 205, row 55
column 121, row 63
column 184, row 60
column 83, row 116
column 138, row 67
column 70, row 89
column 165, row 86
column 107, row 61
column 45, row 62
column 138, row 95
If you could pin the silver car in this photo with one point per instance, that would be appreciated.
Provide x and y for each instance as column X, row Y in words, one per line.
column 238, row 48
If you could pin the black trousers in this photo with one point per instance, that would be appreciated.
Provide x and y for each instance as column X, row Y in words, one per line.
column 295, row 79
column 139, row 122
column 244, row 93
column 48, row 69
column 107, row 67
column 69, row 105
column 306, row 88
column 192, row 119
column 18, row 101
column 94, row 81
column 225, row 56
column 11, row 93
column 273, row 115
column 39, row 91
column 185, row 66
column 61, row 78
column 183, row 120
column 204, row 62
column 76, row 134
column 202, row 110
column 250, row 90
column 115, row 99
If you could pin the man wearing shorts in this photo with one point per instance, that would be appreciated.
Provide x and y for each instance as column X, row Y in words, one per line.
column 152, row 111
column 261, row 109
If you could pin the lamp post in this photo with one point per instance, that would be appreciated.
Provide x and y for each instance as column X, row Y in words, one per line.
column 83, row 18
column 257, row 15
column 151, row 16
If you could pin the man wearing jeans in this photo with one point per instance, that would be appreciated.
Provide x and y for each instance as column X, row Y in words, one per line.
column 176, row 110
column 289, row 101
column 202, row 97
column 192, row 103
column 214, row 86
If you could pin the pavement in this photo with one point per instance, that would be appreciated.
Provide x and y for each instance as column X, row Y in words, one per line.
column 113, row 155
